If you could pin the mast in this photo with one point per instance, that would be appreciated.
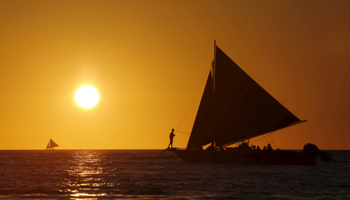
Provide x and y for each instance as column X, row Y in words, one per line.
column 213, row 68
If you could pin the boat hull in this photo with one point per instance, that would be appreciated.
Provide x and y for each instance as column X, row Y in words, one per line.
column 280, row 157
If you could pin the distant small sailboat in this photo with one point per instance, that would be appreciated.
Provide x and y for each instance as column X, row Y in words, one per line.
column 51, row 145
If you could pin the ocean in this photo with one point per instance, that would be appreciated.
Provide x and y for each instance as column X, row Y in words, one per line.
column 131, row 174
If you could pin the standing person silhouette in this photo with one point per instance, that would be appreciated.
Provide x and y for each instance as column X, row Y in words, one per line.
column 171, row 136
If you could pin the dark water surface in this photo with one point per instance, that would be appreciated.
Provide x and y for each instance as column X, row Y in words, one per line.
column 111, row 174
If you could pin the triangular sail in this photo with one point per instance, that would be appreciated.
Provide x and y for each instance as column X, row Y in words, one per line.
column 203, row 128
column 51, row 144
column 238, row 109
column 243, row 109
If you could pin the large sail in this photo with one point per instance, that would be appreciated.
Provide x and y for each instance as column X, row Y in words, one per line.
column 51, row 144
column 238, row 109
column 243, row 109
column 203, row 128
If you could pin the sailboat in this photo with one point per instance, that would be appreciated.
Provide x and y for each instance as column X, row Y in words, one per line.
column 233, row 109
column 51, row 145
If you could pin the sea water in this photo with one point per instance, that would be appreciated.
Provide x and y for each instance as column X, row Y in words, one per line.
column 128, row 174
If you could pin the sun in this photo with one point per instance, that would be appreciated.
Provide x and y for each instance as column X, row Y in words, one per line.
column 86, row 96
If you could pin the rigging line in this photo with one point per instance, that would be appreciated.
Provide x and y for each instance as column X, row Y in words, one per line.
column 266, row 139
column 275, row 145
column 274, row 140
column 192, row 101
column 258, row 139
column 183, row 132
column 272, row 137
column 271, row 141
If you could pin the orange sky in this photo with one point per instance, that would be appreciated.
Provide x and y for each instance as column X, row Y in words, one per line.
column 147, row 59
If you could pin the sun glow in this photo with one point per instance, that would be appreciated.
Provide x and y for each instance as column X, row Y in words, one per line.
column 86, row 96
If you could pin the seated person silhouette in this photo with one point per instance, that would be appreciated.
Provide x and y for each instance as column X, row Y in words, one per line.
column 269, row 148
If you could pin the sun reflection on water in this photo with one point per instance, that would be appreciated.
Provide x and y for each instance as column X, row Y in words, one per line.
column 86, row 175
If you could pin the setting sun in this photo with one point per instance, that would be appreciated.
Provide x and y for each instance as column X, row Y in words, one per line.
column 86, row 96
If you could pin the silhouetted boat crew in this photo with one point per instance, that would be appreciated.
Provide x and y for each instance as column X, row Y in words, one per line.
column 269, row 148
column 171, row 137
column 233, row 109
